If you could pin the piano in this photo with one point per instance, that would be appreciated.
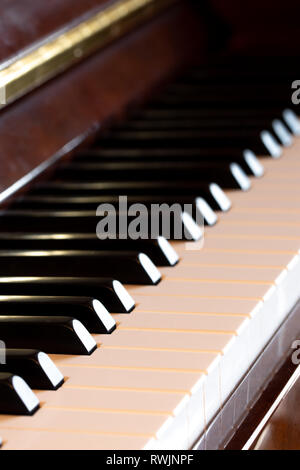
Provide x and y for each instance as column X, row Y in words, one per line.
column 143, row 341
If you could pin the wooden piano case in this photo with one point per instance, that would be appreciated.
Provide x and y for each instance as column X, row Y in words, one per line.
column 56, row 118
column 60, row 115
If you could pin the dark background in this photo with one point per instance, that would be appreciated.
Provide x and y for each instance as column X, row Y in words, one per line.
column 254, row 27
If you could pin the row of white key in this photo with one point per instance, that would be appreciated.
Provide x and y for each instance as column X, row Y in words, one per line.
column 171, row 364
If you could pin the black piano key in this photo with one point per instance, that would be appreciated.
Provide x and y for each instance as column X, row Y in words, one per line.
column 72, row 221
column 246, row 70
column 153, row 112
column 178, row 172
column 231, row 89
column 194, row 96
column 188, row 139
column 234, row 98
column 158, row 188
column 238, row 74
column 155, row 246
column 35, row 367
column 246, row 159
column 288, row 115
column 90, row 311
column 142, row 155
column 207, row 170
column 191, row 123
column 275, row 126
column 260, row 88
column 159, row 249
column 156, row 192
column 214, row 195
column 16, row 397
column 253, row 70
column 130, row 267
column 110, row 292
column 56, row 335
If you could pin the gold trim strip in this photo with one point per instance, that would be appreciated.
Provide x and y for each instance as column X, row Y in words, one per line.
column 58, row 54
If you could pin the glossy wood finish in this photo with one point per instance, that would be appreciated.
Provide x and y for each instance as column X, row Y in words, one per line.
column 23, row 22
column 66, row 48
column 58, row 116
column 282, row 432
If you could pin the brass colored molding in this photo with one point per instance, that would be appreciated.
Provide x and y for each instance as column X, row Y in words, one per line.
column 55, row 55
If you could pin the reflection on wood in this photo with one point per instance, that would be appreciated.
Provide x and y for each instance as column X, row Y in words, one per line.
column 282, row 430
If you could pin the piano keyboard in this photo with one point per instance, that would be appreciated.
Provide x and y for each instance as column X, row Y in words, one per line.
column 107, row 351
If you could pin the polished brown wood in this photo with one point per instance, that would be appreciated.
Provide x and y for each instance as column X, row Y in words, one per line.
column 282, row 431
column 23, row 22
column 58, row 116
column 256, row 414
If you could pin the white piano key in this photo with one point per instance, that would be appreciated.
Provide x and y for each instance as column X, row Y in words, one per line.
column 90, row 398
column 28, row 439
column 130, row 402
column 265, row 217
column 178, row 341
column 198, row 289
column 130, row 379
column 82, row 421
column 281, row 177
column 221, row 273
column 166, row 336
column 287, row 203
column 206, row 257
column 263, row 229
column 182, row 322
column 194, row 306
column 279, row 186
column 192, row 341
column 146, row 359
column 250, row 243
column 190, row 383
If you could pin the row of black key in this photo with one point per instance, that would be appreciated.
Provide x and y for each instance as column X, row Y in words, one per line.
column 49, row 248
